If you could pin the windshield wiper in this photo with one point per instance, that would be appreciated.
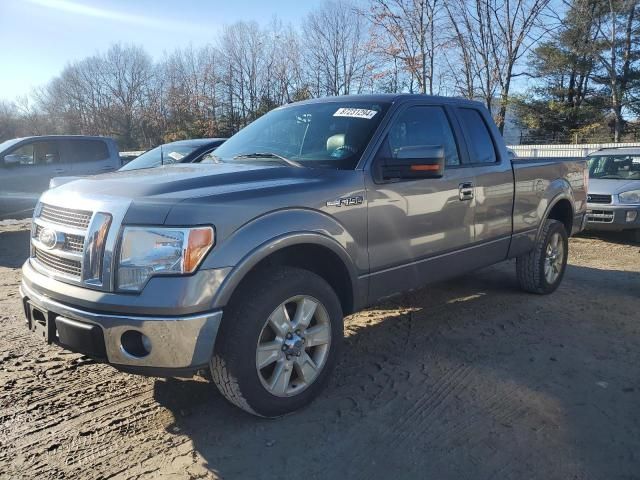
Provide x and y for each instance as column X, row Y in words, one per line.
column 269, row 155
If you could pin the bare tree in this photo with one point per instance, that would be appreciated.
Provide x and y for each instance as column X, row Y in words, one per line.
column 405, row 30
column 493, row 36
column 620, row 36
column 338, row 53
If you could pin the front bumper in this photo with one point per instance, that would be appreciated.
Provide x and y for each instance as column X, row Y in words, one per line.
column 612, row 216
column 178, row 344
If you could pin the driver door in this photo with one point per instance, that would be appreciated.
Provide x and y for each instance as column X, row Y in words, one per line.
column 414, row 224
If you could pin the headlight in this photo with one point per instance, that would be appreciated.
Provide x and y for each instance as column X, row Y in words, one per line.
column 148, row 251
column 632, row 196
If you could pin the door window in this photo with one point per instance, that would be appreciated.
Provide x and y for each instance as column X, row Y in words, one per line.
column 481, row 146
column 81, row 151
column 33, row 154
column 46, row 153
column 424, row 126
column 22, row 155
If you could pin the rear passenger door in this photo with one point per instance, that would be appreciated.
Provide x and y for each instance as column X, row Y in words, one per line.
column 493, row 183
column 88, row 156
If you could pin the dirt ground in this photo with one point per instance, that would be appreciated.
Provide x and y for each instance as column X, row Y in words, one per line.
column 469, row 379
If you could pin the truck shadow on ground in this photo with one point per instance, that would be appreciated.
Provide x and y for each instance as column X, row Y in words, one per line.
column 624, row 237
column 466, row 379
column 14, row 248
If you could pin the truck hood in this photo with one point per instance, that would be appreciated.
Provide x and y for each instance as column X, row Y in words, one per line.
column 612, row 187
column 227, row 194
column 184, row 181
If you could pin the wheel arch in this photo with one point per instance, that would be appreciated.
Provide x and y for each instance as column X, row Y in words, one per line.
column 309, row 250
column 560, row 208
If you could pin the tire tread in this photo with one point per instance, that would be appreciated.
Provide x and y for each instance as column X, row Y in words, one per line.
column 528, row 268
column 257, row 287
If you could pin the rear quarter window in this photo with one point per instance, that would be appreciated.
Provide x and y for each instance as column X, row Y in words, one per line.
column 80, row 151
column 481, row 148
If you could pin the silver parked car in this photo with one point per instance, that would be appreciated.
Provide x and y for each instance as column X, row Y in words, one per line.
column 27, row 164
column 614, row 190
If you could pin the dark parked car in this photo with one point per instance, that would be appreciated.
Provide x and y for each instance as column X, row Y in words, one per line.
column 183, row 151
column 28, row 164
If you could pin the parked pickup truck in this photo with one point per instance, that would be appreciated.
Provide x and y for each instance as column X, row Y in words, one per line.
column 247, row 265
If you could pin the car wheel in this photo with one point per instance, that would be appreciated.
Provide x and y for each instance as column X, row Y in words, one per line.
column 541, row 270
column 278, row 342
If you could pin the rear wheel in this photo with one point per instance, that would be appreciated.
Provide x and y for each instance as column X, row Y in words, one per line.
column 541, row 270
column 278, row 342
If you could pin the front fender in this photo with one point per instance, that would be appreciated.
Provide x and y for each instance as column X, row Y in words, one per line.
column 267, row 234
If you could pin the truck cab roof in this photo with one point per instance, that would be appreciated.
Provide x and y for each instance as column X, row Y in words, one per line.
column 394, row 98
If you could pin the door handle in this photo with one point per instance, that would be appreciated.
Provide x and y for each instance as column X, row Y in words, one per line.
column 59, row 170
column 465, row 191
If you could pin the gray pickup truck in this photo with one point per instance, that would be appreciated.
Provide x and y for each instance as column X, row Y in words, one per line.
column 247, row 265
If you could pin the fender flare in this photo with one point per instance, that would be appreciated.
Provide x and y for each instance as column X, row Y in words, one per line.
column 563, row 195
column 264, row 250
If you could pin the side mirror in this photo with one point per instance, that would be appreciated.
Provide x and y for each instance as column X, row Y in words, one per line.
column 11, row 159
column 419, row 161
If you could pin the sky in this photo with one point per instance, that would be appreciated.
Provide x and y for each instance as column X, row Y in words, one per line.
column 39, row 37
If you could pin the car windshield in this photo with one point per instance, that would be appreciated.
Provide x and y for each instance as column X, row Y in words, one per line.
column 8, row 143
column 324, row 135
column 162, row 155
column 615, row 167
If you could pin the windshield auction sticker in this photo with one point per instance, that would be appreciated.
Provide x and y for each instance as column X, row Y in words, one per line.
column 355, row 113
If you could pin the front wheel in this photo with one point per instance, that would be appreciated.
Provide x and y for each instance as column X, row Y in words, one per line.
column 278, row 342
column 541, row 270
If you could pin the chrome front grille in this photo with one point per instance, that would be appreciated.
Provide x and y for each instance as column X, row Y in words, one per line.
column 600, row 216
column 598, row 198
column 72, row 243
column 66, row 216
column 77, row 245
column 72, row 268
column 64, row 256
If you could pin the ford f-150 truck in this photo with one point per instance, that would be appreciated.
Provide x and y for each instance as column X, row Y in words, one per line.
column 247, row 265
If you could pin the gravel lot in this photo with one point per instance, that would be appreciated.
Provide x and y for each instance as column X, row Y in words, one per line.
column 466, row 379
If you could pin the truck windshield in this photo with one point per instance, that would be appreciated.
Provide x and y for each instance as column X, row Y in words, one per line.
column 9, row 143
column 323, row 135
column 615, row 167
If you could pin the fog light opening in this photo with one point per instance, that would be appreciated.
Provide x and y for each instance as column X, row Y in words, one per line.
column 135, row 344
column 632, row 215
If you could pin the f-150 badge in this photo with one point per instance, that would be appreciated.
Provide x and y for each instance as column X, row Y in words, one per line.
column 345, row 202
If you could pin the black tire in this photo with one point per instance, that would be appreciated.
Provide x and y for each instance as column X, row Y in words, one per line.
column 233, row 365
column 530, row 267
column 636, row 235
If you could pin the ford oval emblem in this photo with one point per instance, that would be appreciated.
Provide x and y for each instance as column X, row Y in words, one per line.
column 48, row 238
